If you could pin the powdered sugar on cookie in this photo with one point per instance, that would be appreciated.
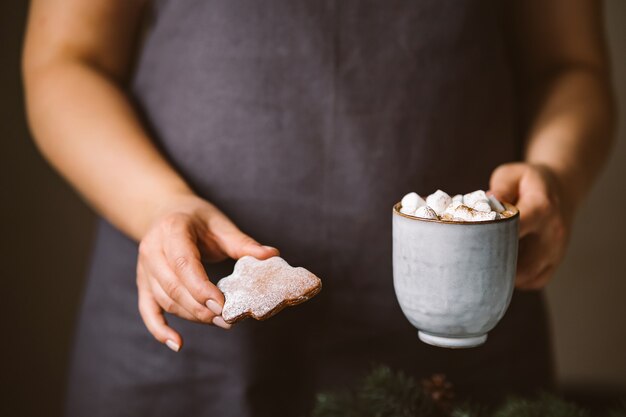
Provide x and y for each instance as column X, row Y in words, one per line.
column 260, row 289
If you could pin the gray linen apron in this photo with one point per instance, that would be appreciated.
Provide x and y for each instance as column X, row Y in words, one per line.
column 305, row 120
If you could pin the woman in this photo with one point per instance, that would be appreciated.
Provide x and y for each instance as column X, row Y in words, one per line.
column 301, row 123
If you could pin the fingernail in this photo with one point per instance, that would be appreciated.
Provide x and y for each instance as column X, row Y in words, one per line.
column 214, row 307
column 219, row 322
column 269, row 247
column 172, row 345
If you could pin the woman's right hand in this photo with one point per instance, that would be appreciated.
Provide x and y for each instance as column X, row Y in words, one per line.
column 170, row 275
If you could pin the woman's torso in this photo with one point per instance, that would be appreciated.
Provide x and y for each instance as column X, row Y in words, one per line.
column 304, row 121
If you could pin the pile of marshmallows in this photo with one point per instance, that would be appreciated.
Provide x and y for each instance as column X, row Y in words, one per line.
column 472, row 207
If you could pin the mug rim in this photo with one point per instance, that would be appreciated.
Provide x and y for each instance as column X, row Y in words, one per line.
column 508, row 206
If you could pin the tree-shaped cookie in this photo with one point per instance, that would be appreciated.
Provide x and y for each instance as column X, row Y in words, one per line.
column 260, row 289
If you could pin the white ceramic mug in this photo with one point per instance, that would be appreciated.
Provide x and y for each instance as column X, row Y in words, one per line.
column 454, row 280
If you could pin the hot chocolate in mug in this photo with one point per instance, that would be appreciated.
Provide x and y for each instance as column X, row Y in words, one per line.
column 454, row 280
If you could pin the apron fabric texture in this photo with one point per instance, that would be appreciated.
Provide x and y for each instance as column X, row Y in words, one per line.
column 305, row 121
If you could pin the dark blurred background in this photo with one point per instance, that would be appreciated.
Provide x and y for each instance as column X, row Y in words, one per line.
column 46, row 233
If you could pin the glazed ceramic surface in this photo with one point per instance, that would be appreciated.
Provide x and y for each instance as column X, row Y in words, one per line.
column 454, row 280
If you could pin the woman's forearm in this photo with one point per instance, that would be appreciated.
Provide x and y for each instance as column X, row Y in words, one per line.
column 563, row 65
column 86, row 127
column 572, row 127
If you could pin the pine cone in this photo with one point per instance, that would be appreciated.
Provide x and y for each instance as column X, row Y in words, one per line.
column 440, row 391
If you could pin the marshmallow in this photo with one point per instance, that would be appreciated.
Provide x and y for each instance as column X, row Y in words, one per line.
column 472, row 207
column 453, row 205
column 468, row 214
column 449, row 211
column 425, row 212
column 495, row 204
column 482, row 206
column 438, row 201
column 471, row 199
column 411, row 202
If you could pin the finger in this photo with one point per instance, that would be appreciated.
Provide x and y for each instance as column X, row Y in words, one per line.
column 175, row 288
column 168, row 304
column 533, row 258
column 152, row 316
column 534, row 209
column 234, row 242
column 539, row 281
column 504, row 182
column 155, row 322
column 183, row 257
column 238, row 244
column 174, row 308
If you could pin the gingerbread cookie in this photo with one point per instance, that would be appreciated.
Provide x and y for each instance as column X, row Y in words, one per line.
column 260, row 289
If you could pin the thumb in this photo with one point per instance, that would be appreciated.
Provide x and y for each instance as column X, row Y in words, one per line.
column 504, row 182
column 237, row 244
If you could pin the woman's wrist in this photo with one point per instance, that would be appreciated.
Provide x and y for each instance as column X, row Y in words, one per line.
column 181, row 200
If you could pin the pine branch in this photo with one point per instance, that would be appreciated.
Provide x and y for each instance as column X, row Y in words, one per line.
column 333, row 405
column 471, row 410
column 387, row 394
column 384, row 393
column 544, row 406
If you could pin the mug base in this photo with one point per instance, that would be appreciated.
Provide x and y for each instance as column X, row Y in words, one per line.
column 452, row 342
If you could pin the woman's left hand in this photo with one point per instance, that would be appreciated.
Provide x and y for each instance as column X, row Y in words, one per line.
column 545, row 220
